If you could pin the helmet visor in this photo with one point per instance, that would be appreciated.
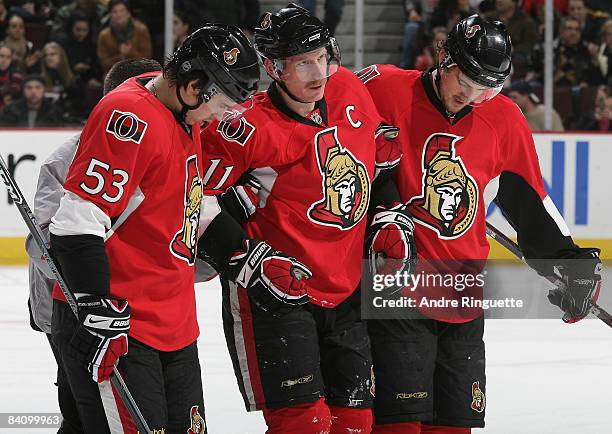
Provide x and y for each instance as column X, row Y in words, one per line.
column 476, row 93
column 314, row 65
column 223, row 107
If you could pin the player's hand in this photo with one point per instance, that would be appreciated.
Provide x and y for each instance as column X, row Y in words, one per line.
column 582, row 278
column 241, row 200
column 390, row 241
column 275, row 281
column 102, row 336
column 388, row 150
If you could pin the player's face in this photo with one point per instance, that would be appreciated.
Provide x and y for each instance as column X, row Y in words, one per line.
column 458, row 91
column 220, row 106
column 305, row 75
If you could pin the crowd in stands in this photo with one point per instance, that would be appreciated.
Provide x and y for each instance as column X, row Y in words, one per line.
column 65, row 47
column 582, row 53
column 54, row 53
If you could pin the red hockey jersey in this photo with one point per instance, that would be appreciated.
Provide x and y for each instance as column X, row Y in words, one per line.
column 316, row 174
column 138, row 165
column 448, row 163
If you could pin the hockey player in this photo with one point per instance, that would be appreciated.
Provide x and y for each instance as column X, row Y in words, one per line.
column 46, row 201
column 125, row 236
column 302, row 356
column 458, row 137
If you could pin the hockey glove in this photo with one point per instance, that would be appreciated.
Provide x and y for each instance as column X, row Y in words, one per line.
column 275, row 281
column 102, row 336
column 390, row 241
column 241, row 200
column 582, row 279
column 388, row 150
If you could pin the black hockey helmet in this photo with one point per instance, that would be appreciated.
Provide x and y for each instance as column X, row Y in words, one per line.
column 223, row 57
column 289, row 32
column 481, row 49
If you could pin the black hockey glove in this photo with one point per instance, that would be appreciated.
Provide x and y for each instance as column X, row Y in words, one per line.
column 390, row 241
column 241, row 200
column 582, row 279
column 102, row 336
column 275, row 281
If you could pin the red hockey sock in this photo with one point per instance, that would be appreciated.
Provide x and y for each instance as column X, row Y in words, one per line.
column 309, row 418
column 347, row 420
column 436, row 429
column 398, row 428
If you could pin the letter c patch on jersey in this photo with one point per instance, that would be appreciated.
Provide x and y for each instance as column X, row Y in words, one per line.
column 236, row 130
column 126, row 126
column 346, row 184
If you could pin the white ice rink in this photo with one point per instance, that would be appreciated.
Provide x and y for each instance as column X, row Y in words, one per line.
column 542, row 376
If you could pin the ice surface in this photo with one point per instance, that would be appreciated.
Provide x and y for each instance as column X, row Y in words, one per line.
column 542, row 376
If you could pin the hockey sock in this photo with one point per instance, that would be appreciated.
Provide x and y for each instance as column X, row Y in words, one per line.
column 436, row 429
column 398, row 428
column 309, row 418
column 350, row 420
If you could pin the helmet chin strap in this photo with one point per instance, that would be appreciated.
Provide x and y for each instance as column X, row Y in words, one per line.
column 180, row 116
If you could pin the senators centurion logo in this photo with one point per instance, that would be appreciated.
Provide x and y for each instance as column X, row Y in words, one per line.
column 126, row 126
column 479, row 400
column 449, row 196
column 184, row 243
column 471, row 31
column 230, row 57
column 198, row 425
column 346, row 184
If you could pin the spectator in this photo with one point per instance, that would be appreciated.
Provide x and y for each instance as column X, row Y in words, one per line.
column 590, row 24
column 600, row 119
column 124, row 38
column 180, row 27
column 23, row 50
column 60, row 81
column 80, row 50
column 522, row 94
column 530, row 6
column 574, row 64
column 605, row 53
column 94, row 10
column 521, row 27
column 449, row 12
column 333, row 12
column 600, row 5
column 414, row 29
column 3, row 20
column 429, row 58
column 11, row 79
column 32, row 110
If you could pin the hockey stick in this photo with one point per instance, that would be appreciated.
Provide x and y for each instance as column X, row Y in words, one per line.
column 506, row 242
column 30, row 221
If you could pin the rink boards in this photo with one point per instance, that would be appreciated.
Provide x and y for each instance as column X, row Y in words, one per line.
column 576, row 168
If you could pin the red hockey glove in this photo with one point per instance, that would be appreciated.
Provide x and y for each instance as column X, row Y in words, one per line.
column 241, row 200
column 388, row 150
column 275, row 281
column 582, row 278
column 102, row 336
column 390, row 241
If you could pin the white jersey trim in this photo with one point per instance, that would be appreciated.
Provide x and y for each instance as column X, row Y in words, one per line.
column 77, row 216
column 556, row 216
column 209, row 209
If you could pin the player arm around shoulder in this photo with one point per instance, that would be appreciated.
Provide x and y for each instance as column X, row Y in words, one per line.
column 389, row 246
